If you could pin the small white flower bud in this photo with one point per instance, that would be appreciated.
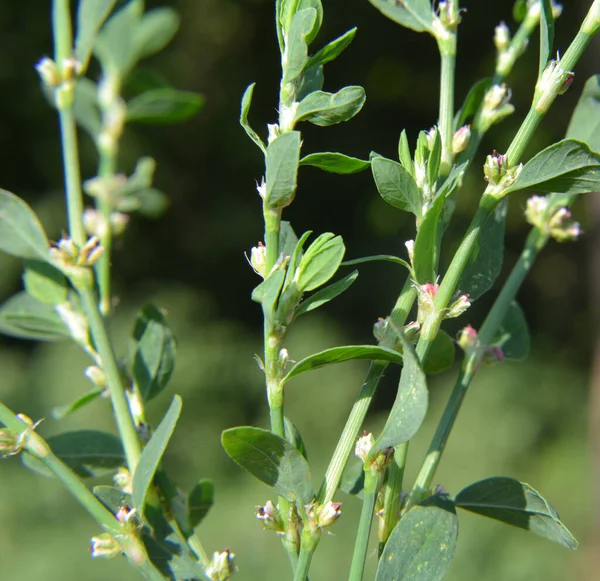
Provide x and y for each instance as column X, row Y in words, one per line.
column 106, row 546
column 364, row 445
column 501, row 37
column 460, row 139
column 96, row 375
column 48, row 72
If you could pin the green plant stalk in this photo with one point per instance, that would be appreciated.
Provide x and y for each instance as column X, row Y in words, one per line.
column 310, row 540
column 347, row 440
column 62, row 31
column 359, row 556
column 35, row 445
column 534, row 244
column 125, row 425
column 516, row 48
column 446, row 114
column 393, row 494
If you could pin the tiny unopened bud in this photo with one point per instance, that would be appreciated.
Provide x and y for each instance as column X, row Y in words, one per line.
column 262, row 189
column 411, row 331
column 270, row 516
column 380, row 329
column 90, row 252
column 49, row 72
column 96, row 375
column 562, row 228
column 458, row 307
column 123, row 480
column 274, row 132
column 126, row 515
column 222, row 566
column 364, row 445
column 410, row 248
column 258, row 259
column 493, row 354
column 496, row 105
column 495, row 168
column 118, row 223
column 501, row 37
column 426, row 296
column 460, row 139
column 327, row 514
column 283, row 358
column 70, row 68
column 555, row 80
column 105, row 546
column 94, row 222
column 467, row 339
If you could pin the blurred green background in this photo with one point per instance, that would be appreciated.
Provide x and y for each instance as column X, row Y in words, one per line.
column 526, row 420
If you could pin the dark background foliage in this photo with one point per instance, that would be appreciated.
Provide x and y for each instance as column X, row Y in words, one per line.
column 533, row 415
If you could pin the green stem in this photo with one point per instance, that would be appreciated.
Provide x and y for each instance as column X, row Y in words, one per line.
column 37, row 447
column 393, row 494
column 535, row 242
column 359, row 556
column 62, row 31
column 125, row 425
column 272, row 218
column 310, row 540
column 446, row 118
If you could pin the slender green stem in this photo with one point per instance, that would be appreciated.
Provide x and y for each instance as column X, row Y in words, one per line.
column 125, row 425
column 359, row 556
column 62, row 31
column 310, row 540
column 393, row 494
column 37, row 447
column 446, row 118
column 535, row 242
column 272, row 219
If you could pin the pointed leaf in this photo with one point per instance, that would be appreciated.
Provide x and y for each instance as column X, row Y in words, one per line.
column 200, row 500
column 335, row 162
column 61, row 412
column 410, row 405
column 585, row 122
column 513, row 334
column 303, row 23
column 546, row 34
column 267, row 292
column 312, row 80
column 427, row 243
column 91, row 14
column 25, row 317
column 567, row 167
column 396, row 186
column 82, row 451
column 21, row 233
column 326, row 294
column 414, row 14
column 85, row 107
column 155, row 30
column 332, row 50
column 440, row 355
column 287, row 239
column 340, row 355
column 325, row 109
column 152, row 455
column 283, row 158
column 420, row 547
column 44, row 282
column 272, row 460
column 518, row 504
column 378, row 257
column 472, row 102
column 320, row 262
column 245, row 109
column 315, row 5
column 404, row 154
column 486, row 262
column 154, row 349
column 164, row 106
column 294, row 437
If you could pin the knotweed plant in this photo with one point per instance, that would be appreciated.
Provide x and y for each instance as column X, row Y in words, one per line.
column 144, row 516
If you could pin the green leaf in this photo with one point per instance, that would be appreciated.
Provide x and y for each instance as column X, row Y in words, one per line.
column 486, row 262
column 245, row 109
column 396, row 185
column 335, row 162
column 318, row 6
column 27, row 318
column 164, row 106
column 320, row 261
column 420, row 547
column 325, row 109
column 453, row 181
column 513, row 334
column 153, row 358
column 85, row 107
column 290, row 286
column 267, row 292
column 435, row 157
column 414, row 14
column 567, row 167
column 283, row 158
column 520, row 10
column 61, row 412
column 585, row 122
column 287, row 239
column 326, row 294
column 546, row 34
column 332, row 50
column 91, row 14
column 148, row 202
column 82, row 451
column 115, row 45
column 353, row 479
column 472, row 102
column 410, row 405
column 518, row 504
column 152, row 455
column 303, row 23
column 111, row 497
column 272, row 460
column 404, row 154
column 200, row 500
column 45, row 283
column 378, row 257
column 293, row 435
column 21, row 233
column 312, row 80
column 440, row 355
column 427, row 243
column 155, row 30
column 340, row 355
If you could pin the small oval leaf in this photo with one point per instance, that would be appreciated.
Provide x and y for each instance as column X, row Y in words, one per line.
column 396, row 186
column 335, row 162
column 325, row 109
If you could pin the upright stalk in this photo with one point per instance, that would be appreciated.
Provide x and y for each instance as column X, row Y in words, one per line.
column 446, row 118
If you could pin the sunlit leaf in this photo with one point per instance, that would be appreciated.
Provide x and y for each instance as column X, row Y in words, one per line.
column 335, row 162
column 283, row 158
column 326, row 294
column 324, row 109
column 414, row 14
column 396, row 185
column 332, row 50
